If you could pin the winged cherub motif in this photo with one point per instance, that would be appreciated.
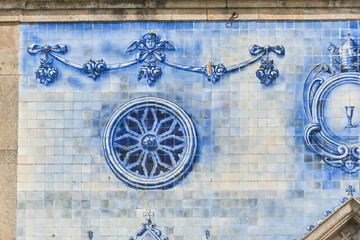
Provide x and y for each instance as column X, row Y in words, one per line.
column 150, row 46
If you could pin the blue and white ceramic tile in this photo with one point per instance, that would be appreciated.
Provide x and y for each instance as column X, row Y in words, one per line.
column 235, row 161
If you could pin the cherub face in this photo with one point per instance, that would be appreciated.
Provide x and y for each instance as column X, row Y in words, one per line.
column 150, row 43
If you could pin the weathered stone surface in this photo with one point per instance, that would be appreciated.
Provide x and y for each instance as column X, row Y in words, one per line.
column 9, row 90
column 188, row 14
column 338, row 14
column 9, row 63
column 54, row 16
column 278, row 14
column 8, row 126
column 225, row 14
column 8, row 179
column 8, row 108
column 350, row 231
column 10, row 16
column 83, row 4
column 8, row 201
column 8, row 156
column 9, row 86
column 10, row 43
column 9, row 50
column 165, row 10
column 291, row 4
column 187, row 4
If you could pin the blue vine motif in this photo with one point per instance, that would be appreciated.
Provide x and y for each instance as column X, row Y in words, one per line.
column 150, row 47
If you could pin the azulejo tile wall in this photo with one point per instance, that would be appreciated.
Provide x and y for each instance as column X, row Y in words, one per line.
column 219, row 147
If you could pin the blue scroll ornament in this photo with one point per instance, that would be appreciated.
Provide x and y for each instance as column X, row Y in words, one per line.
column 337, row 151
column 151, row 50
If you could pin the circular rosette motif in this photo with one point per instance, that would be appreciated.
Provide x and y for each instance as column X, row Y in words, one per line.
column 150, row 143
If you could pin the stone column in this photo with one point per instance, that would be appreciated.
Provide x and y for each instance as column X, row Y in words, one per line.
column 9, row 54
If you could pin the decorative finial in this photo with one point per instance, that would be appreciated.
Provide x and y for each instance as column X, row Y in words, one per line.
column 349, row 56
column 345, row 236
column 350, row 190
column 149, row 230
column 90, row 235
column 207, row 234
column 148, row 214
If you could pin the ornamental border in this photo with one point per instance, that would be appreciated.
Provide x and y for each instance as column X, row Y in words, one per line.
column 316, row 134
column 151, row 48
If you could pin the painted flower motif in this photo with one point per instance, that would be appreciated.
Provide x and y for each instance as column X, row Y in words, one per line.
column 214, row 72
column 94, row 69
column 266, row 72
column 151, row 73
column 150, row 47
column 46, row 73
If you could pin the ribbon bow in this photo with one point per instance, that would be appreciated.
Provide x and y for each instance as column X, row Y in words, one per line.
column 141, row 56
column 34, row 48
column 256, row 49
column 267, row 73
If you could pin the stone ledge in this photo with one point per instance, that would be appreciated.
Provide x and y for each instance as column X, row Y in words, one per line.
column 171, row 10
column 194, row 14
column 173, row 4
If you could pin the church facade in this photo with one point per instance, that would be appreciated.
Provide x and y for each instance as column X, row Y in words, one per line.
column 173, row 121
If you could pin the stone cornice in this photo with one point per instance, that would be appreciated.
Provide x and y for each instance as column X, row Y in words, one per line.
column 350, row 210
column 170, row 10
column 173, row 4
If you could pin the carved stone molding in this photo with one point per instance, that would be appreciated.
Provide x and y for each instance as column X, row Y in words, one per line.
column 160, row 4
column 335, row 226
column 171, row 10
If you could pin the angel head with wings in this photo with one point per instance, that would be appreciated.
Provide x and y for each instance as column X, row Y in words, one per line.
column 149, row 52
column 150, row 45
column 150, row 40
